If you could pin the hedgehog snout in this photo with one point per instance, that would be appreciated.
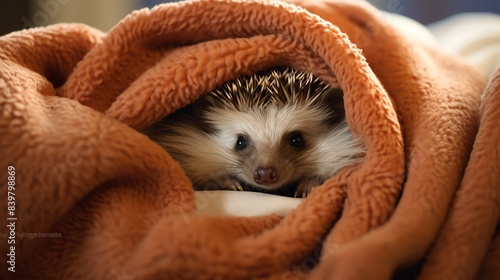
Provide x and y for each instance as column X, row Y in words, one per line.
column 266, row 175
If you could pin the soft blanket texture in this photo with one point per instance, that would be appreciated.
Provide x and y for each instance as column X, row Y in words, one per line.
column 73, row 98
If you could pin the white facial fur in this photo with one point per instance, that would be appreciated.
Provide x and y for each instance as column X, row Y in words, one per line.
column 328, row 149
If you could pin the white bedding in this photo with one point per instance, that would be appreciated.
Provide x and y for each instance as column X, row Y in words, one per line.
column 474, row 36
column 243, row 203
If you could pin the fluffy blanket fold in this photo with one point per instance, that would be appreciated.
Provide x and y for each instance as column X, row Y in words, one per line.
column 73, row 98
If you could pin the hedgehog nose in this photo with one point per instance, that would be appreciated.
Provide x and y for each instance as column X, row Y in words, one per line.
column 265, row 175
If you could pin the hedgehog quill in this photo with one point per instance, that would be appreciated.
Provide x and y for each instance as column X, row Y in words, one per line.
column 273, row 129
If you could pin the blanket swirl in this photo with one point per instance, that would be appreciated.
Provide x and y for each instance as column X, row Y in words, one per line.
column 89, row 197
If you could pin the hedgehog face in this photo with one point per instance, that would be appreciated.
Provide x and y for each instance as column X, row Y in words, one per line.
column 273, row 147
column 270, row 124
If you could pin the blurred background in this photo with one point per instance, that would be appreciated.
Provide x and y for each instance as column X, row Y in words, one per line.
column 104, row 14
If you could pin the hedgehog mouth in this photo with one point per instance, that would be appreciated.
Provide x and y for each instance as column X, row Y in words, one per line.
column 287, row 189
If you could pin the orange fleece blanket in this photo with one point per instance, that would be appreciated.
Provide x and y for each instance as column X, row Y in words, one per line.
column 86, row 196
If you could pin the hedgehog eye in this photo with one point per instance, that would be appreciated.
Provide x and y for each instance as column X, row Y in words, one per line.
column 241, row 143
column 297, row 140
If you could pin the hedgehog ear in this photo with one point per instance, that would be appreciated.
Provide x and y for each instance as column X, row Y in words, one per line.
column 199, row 108
column 201, row 105
column 334, row 99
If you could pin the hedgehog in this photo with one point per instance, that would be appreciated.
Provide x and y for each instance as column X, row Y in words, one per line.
column 275, row 129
